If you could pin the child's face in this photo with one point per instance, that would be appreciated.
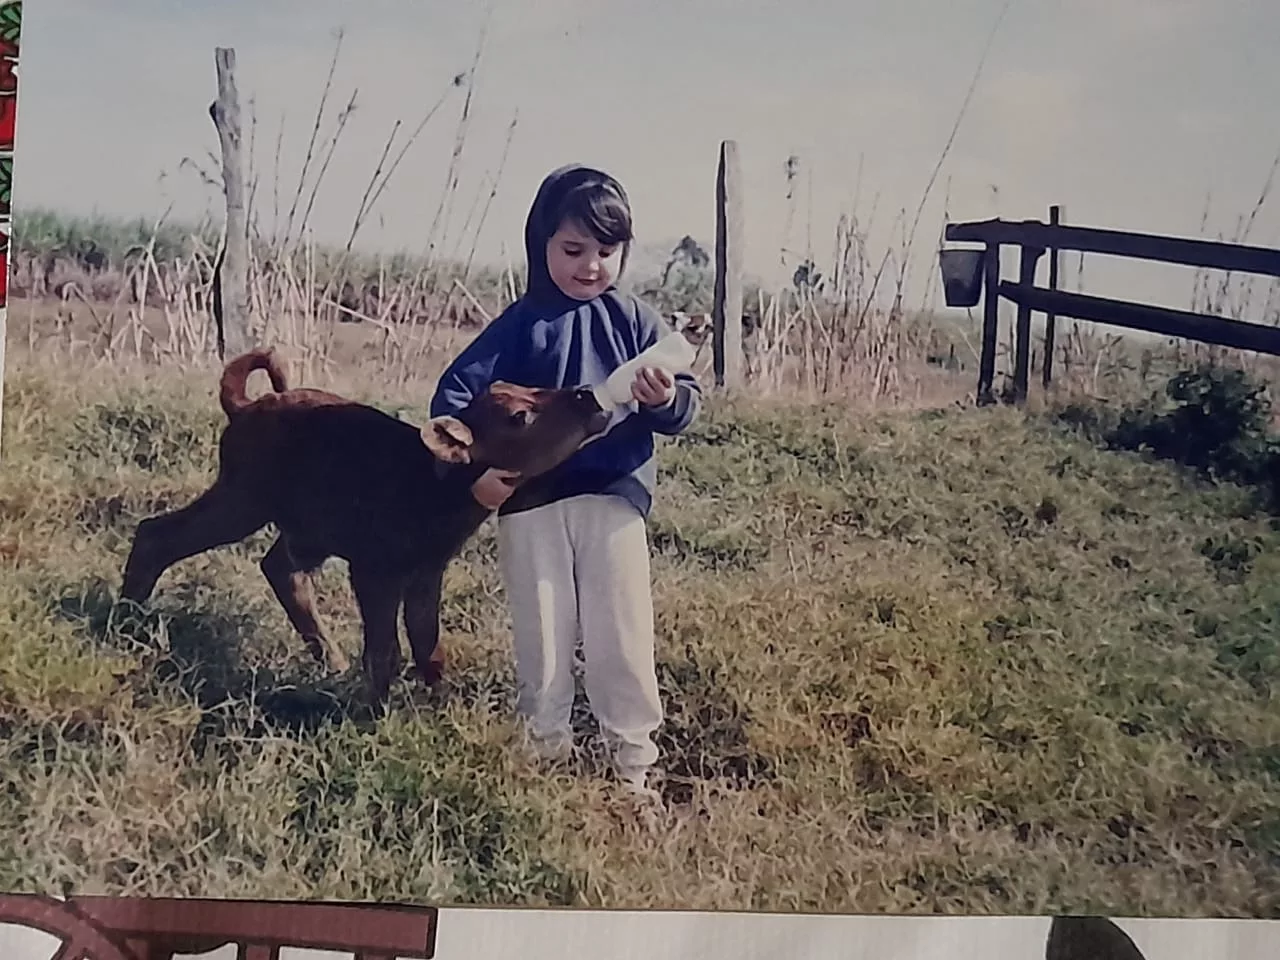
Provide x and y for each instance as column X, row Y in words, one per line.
column 579, row 264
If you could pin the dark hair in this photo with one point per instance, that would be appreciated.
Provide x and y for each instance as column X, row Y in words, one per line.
column 582, row 195
column 599, row 206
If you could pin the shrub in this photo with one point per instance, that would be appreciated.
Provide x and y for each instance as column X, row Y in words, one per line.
column 1214, row 419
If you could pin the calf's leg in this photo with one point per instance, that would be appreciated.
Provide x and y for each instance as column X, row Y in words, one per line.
column 217, row 518
column 288, row 570
column 422, row 622
column 378, row 597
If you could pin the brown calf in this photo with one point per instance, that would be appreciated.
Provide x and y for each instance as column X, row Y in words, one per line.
column 341, row 479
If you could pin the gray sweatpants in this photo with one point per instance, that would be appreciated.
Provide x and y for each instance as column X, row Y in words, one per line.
column 578, row 569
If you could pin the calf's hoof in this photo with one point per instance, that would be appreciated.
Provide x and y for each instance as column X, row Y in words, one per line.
column 431, row 674
column 375, row 701
column 327, row 654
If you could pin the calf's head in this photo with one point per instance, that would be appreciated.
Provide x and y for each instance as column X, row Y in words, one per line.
column 523, row 429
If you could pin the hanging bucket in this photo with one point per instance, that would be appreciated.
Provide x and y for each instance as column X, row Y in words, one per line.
column 962, row 276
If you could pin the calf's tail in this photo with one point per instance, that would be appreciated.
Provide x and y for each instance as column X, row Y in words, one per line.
column 231, row 392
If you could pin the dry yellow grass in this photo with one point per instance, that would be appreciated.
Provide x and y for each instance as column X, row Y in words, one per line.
column 946, row 661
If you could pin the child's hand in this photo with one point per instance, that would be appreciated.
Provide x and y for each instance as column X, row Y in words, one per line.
column 494, row 488
column 653, row 387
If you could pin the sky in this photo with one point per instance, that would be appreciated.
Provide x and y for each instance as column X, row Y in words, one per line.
column 1133, row 115
column 484, row 934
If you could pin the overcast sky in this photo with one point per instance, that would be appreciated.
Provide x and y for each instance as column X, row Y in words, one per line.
column 1130, row 114
column 476, row 934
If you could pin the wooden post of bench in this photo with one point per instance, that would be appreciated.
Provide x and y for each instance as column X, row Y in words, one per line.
column 726, row 311
column 1028, row 258
column 152, row 928
column 1051, row 318
column 231, row 273
column 990, row 324
column 12, row 28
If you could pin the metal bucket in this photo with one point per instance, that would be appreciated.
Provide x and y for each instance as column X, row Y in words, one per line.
column 962, row 276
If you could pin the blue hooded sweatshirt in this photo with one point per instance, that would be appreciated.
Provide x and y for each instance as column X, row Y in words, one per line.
column 548, row 339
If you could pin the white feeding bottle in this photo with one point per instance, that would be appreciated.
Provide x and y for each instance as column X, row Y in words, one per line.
column 673, row 353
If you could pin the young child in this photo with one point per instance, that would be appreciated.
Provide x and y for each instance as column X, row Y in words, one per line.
column 573, row 547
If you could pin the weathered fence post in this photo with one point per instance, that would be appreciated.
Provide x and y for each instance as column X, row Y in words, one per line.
column 726, row 312
column 1051, row 318
column 1028, row 258
column 990, row 324
column 231, row 272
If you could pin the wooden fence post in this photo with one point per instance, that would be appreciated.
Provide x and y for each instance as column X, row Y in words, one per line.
column 990, row 324
column 1051, row 318
column 726, row 312
column 231, row 272
column 1028, row 258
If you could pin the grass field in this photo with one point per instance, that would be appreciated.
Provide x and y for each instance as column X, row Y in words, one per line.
column 957, row 661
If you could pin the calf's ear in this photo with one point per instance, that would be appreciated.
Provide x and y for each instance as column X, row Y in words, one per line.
column 449, row 439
